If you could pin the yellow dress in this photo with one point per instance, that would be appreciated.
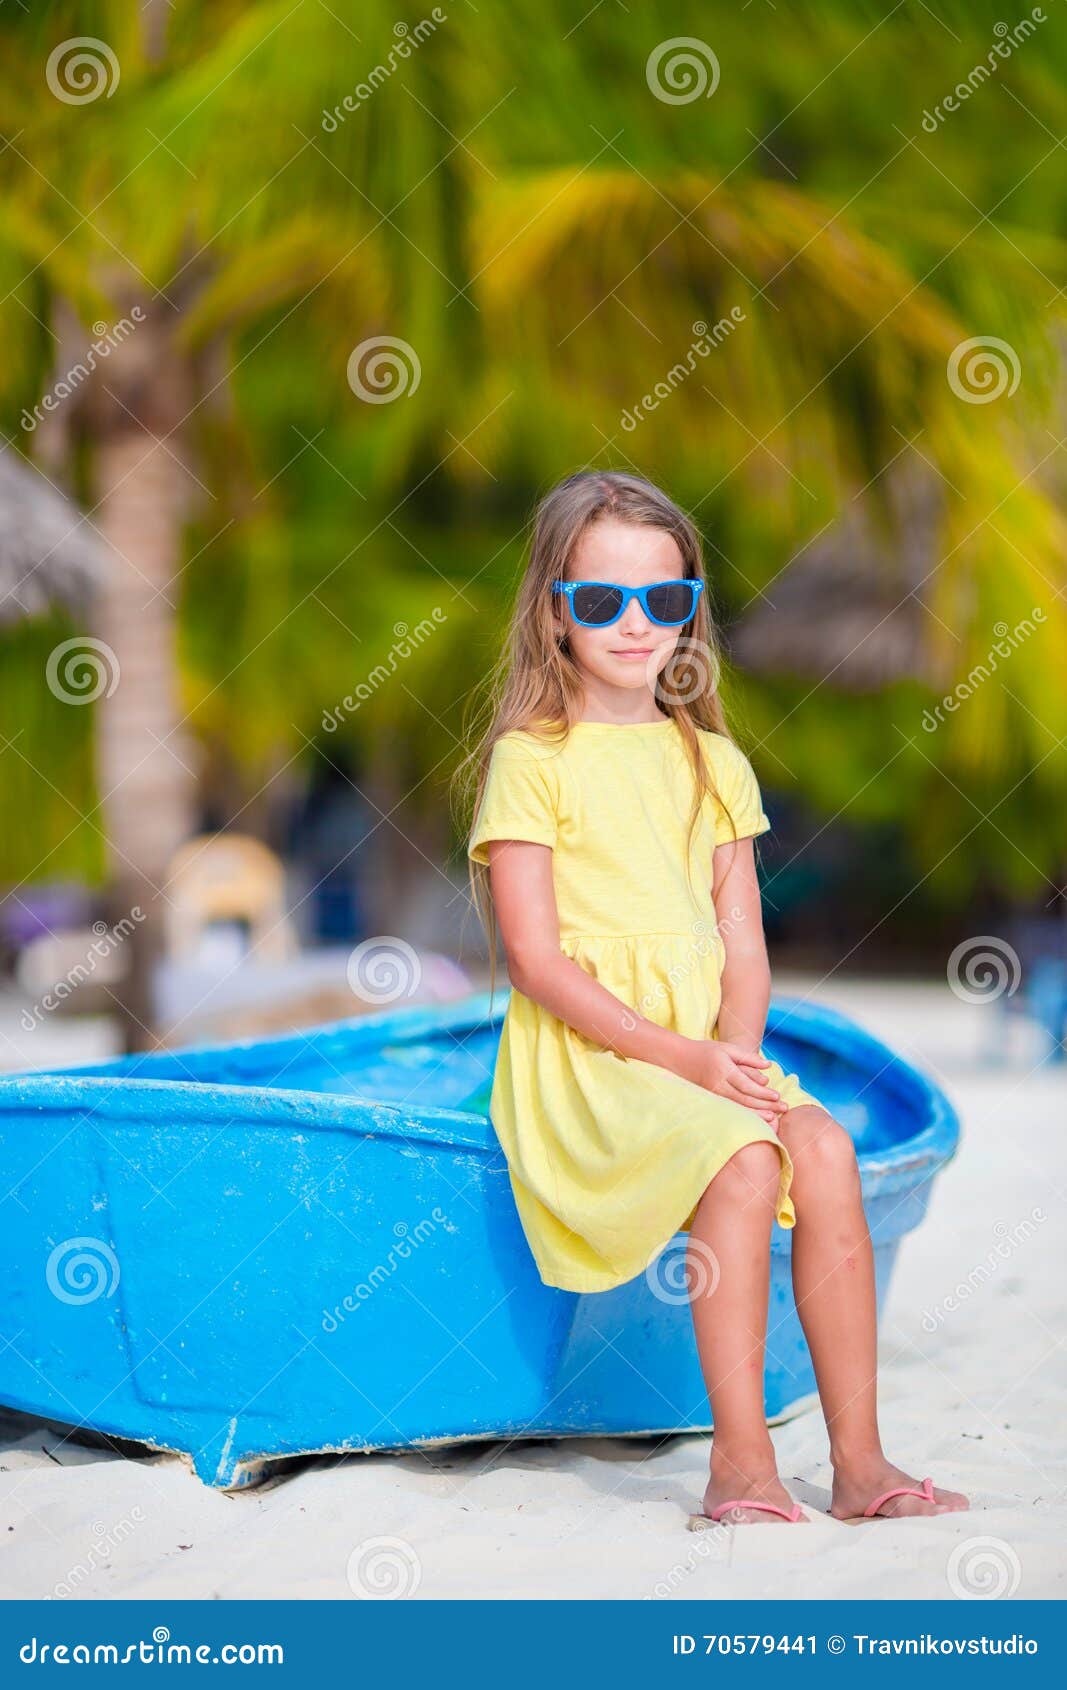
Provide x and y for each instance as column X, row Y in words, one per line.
column 608, row 1155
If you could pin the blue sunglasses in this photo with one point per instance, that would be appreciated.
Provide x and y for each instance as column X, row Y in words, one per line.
column 597, row 604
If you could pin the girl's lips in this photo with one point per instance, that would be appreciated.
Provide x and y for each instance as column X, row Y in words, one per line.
column 644, row 651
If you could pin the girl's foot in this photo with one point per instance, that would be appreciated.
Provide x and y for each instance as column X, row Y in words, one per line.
column 856, row 1486
column 734, row 1483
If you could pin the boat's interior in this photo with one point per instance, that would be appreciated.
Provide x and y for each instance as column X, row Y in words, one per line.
column 443, row 1056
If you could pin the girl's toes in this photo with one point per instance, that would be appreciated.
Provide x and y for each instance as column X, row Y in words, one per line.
column 907, row 1507
column 953, row 1501
column 919, row 1505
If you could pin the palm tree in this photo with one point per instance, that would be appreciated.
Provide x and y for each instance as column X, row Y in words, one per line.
column 134, row 398
column 557, row 229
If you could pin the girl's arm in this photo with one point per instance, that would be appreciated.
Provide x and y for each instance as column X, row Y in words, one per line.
column 746, row 976
column 525, row 903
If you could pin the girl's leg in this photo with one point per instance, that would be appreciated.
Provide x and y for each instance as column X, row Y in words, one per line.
column 833, row 1280
column 728, row 1271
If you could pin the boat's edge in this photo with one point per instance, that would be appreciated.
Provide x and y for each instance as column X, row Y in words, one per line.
column 252, row 1467
column 237, row 1106
column 466, row 1014
column 136, row 1098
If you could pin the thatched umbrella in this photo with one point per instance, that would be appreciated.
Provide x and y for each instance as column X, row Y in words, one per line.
column 114, row 580
column 49, row 555
column 851, row 608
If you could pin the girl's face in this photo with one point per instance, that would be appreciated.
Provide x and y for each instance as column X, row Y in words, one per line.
column 632, row 651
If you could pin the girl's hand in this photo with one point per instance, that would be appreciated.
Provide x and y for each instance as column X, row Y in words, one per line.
column 733, row 1070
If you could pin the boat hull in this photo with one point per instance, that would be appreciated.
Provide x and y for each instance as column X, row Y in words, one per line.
column 272, row 1249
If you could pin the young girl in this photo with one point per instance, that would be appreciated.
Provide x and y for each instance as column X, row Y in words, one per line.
column 615, row 820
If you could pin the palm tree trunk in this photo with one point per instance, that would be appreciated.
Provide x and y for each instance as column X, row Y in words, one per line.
column 147, row 784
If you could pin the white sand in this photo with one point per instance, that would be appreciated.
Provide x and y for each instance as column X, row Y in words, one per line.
column 978, row 1403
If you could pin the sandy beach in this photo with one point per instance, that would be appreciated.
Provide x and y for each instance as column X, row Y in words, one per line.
column 973, row 1380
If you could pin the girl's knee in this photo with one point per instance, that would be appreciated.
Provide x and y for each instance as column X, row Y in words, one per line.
column 821, row 1149
column 755, row 1173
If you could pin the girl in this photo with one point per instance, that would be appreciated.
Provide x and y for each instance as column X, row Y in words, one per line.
column 615, row 820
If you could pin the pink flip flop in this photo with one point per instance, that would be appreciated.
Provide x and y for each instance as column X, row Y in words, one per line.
column 871, row 1510
column 700, row 1522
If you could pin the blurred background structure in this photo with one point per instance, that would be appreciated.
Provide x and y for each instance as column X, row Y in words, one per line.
column 303, row 308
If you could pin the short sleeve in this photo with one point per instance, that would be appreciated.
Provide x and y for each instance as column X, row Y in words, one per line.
column 519, row 800
column 737, row 785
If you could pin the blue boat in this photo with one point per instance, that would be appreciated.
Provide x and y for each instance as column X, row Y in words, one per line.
column 309, row 1244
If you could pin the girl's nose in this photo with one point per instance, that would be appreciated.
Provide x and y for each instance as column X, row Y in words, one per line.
column 633, row 619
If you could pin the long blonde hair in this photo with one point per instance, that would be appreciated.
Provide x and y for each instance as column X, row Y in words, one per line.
column 536, row 685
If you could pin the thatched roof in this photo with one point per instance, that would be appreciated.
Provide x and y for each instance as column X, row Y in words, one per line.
column 49, row 555
column 850, row 608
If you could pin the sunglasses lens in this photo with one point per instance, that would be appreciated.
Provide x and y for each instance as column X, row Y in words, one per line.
column 673, row 602
column 596, row 604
